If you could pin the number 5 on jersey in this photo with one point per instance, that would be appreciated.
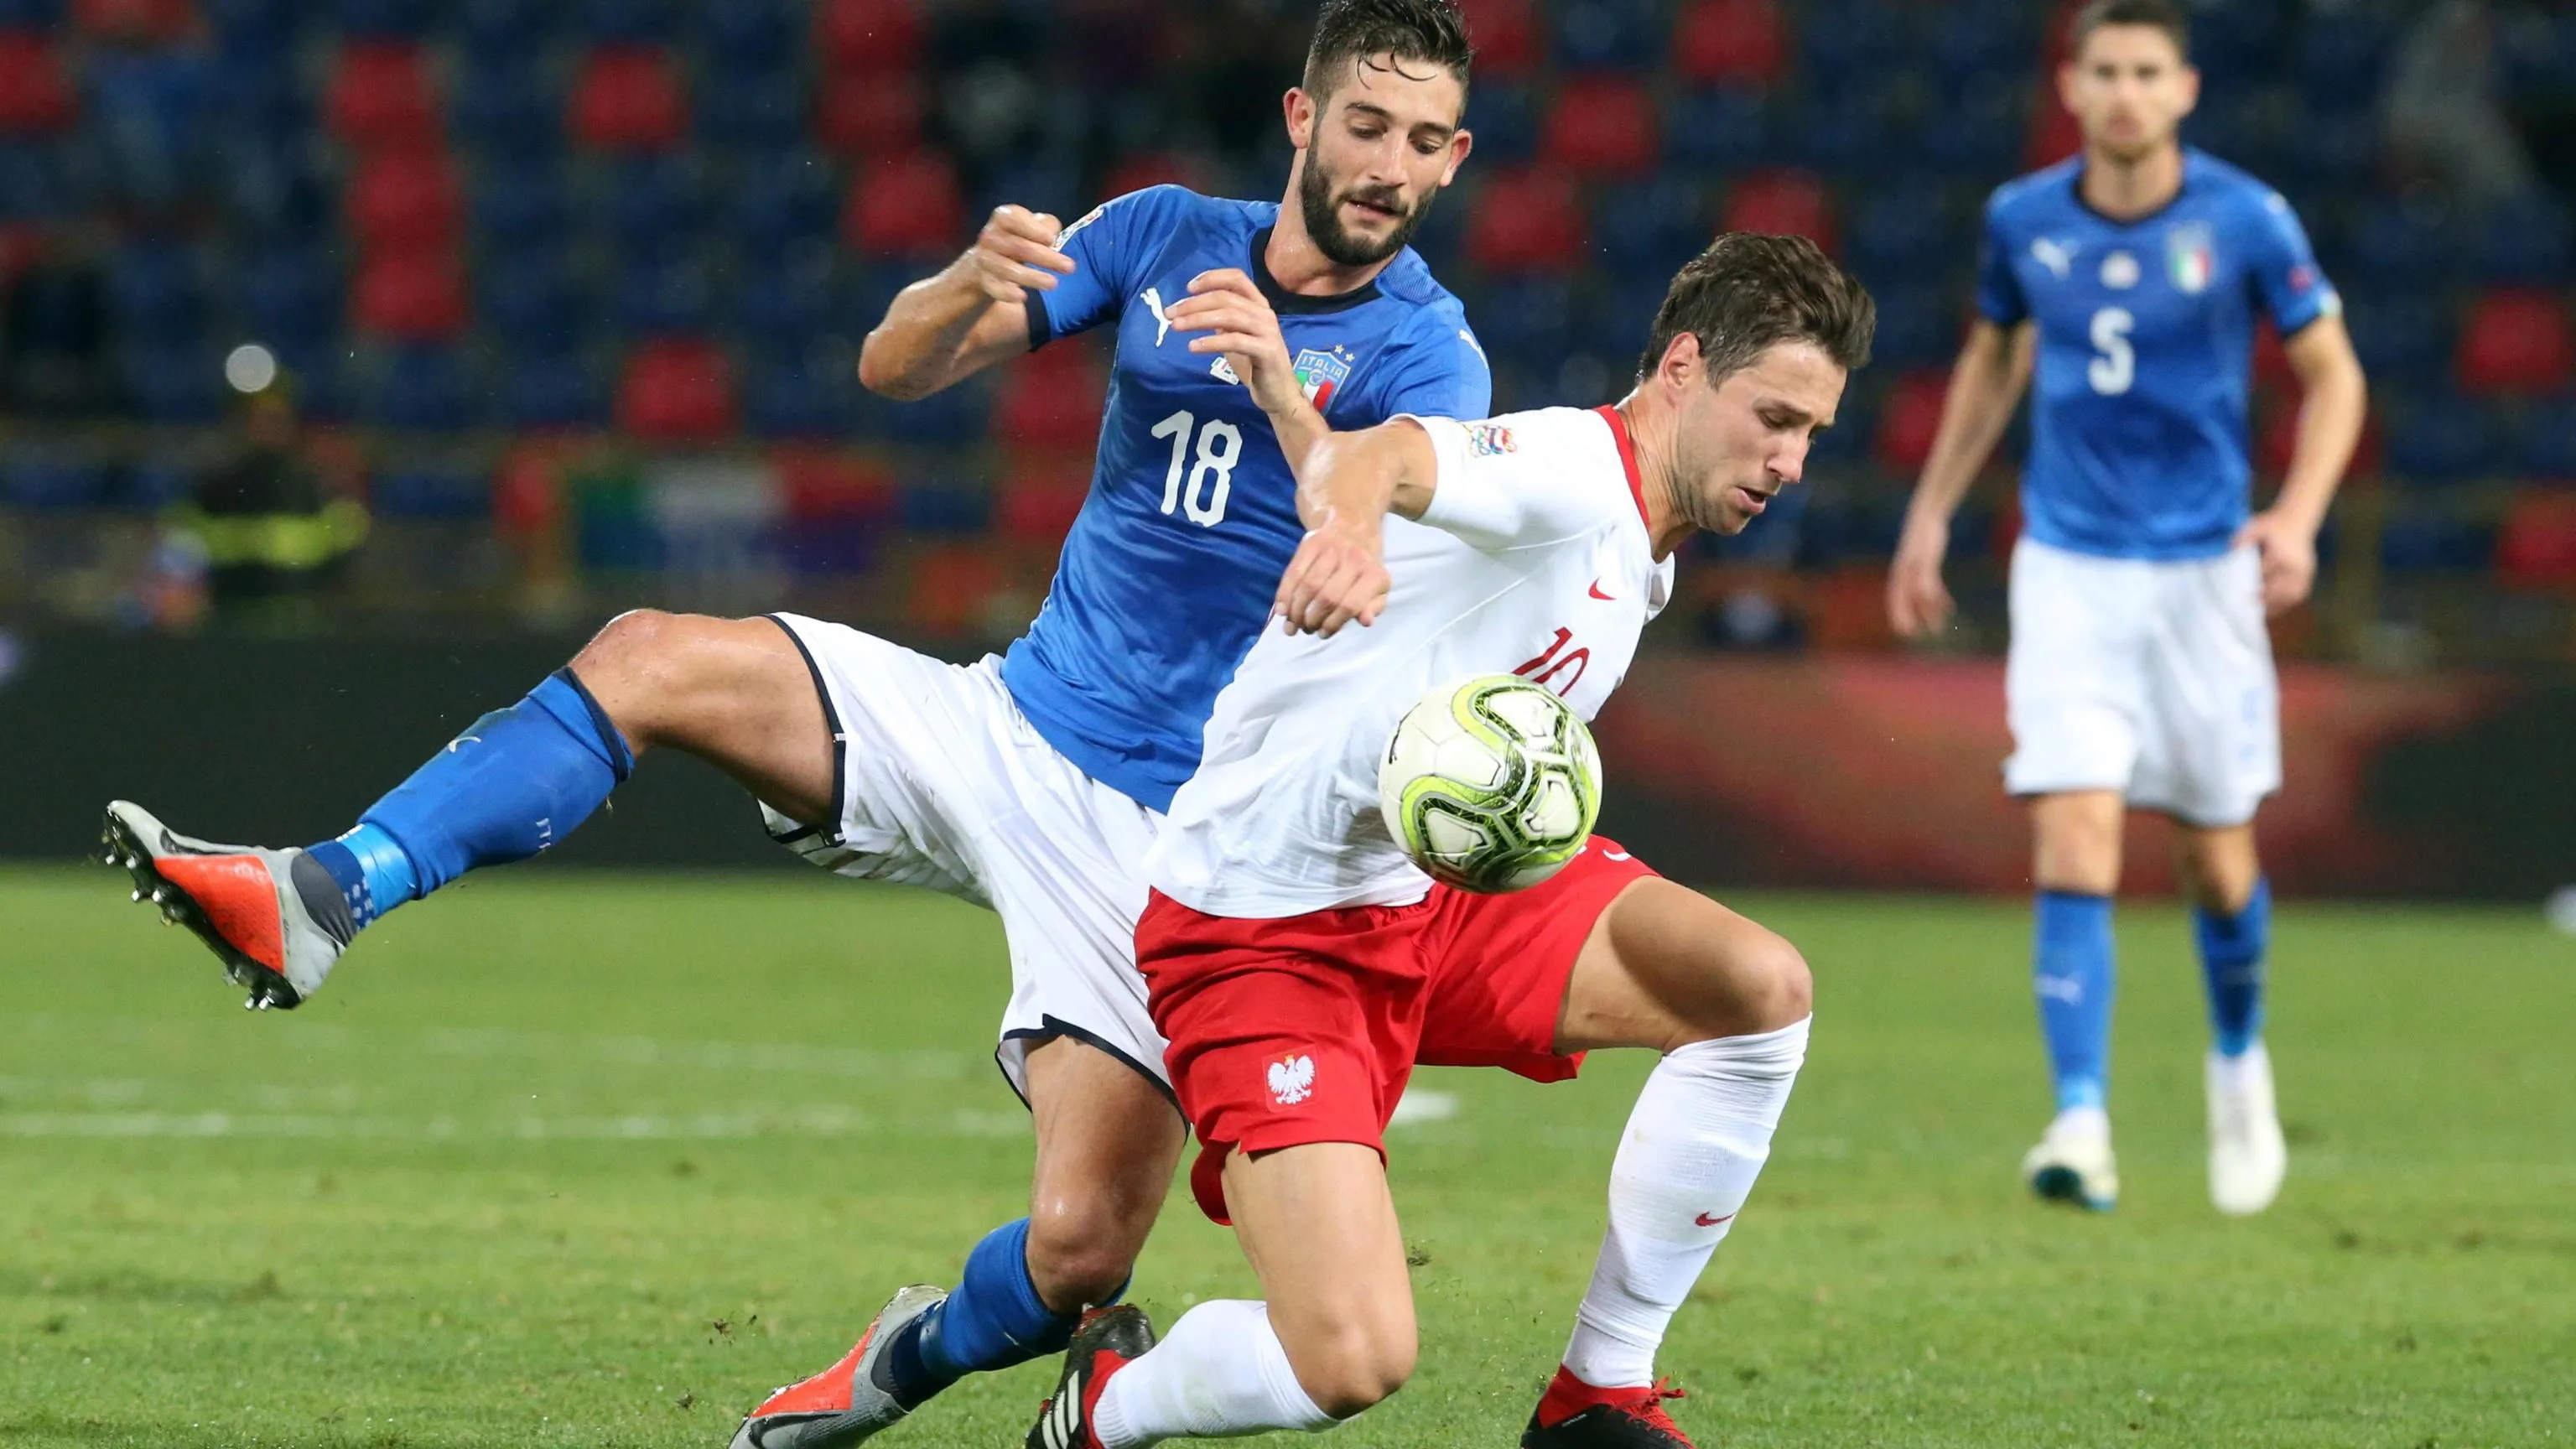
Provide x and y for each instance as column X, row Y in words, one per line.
column 2115, row 361
column 1210, row 477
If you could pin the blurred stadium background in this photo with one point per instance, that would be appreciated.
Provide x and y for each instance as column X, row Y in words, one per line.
column 568, row 296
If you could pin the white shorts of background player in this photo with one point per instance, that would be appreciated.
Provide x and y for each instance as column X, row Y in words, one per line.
column 2151, row 678
column 945, row 785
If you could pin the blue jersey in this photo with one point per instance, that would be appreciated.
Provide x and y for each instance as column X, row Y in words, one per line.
column 1171, row 568
column 2146, row 343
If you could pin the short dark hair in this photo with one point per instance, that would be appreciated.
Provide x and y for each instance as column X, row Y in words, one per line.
column 2162, row 15
column 1349, row 32
column 1748, row 292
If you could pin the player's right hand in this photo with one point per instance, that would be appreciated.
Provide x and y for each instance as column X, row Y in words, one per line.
column 1918, row 603
column 1014, row 252
column 1338, row 575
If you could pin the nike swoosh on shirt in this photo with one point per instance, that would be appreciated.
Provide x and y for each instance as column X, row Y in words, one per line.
column 1705, row 1221
column 1596, row 593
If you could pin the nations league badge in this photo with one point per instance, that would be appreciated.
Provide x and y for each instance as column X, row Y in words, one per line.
column 1319, row 372
column 2191, row 254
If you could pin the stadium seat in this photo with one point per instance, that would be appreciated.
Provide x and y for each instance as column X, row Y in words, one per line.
column 134, row 22
column 1051, row 400
column 752, row 36
column 943, row 505
column 532, row 298
column 1852, row 137
column 552, row 390
column 151, row 115
column 502, row 30
column 2536, row 547
column 793, row 395
column 790, row 303
column 1908, row 419
column 1602, row 126
column 657, row 207
column 36, row 98
column 2442, row 440
column 406, row 201
column 822, row 485
column 663, row 298
column 175, row 382
column 54, row 481
column 410, row 296
column 1847, row 44
column 267, row 26
column 872, row 117
column 2402, row 339
column 907, row 206
column 949, row 418
column 1607, row 34
column 384, row 19
column 785, row 200
column 627, row 98
column 2429, row 542
column 2516, row 342
column 1509, row 41
column 1918, row 325
column 1980, row 133
column 756, row 111
column 423, row 388
column 157, row 290
column 1041, row 496
column 430, row 494
column 379, row 95
column 505, row 109
column 1528, row 320
column 1726, row 127
column 2527, row 242
column 31, row 182
column 1785, row 203
column 1526, row 221
column 1730, row 42
column 154, row 482
column 1658, row 226
column 1146, row 170
column 626, row 22
column 2403, row 248
column 292, row 297
column 1504, row 118
column 521, row 202
column 2340, row 63
column 2549, row 446
column 863, row 38
column 951, row 588
column 677, row 390
column 1903, row 229
column 2054, row 136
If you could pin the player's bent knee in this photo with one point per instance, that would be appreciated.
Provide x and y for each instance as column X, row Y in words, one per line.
column 1788, row 988
column 1079, row 1253
column 1354, row 1366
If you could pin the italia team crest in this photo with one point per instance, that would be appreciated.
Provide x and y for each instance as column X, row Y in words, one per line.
column 2191, row 255
column 1319, row 372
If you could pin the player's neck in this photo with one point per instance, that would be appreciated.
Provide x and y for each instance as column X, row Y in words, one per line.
column 1650, row 436
column 1300, row 268
column 2125, row 189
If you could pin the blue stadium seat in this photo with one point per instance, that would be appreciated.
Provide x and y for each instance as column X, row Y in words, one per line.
column 31, row 181
column 258, row 100
column 1504, row 116
column 943, row 419
column 793, row 396
column 154, row 483
column 2242, row 126
column 663, row 299
column 865, row 295
column 2429, row 542
column 266, row 27
column 150, row 119
column 1854, row 45
column 430, row 493
column 500, row 30
column 2527, row 243
column 426, row 388
column 522, row 202
column 753, row 110
column 54, row 480
column 1918, row 326
column 1654, row 226
column 320, row 374
column 1723, row 127
column 784, row 200
column 1854, row 136
column 532, row 299
column 1442, row 234
column 2401, row 249
column 503, row 106
column 2549, row 447
column 1616, row 323
column 1904, row 229
column 626, row 22
column 943, row 505
column 2340, row 63
column 2403, row 339
column 175, row 382
column 390, row 19
column 158, row 291
column 1053, row 182
column 1608, row 34
column 2441, row 440
column 1527, row 319
column 30, row 14
column 1979, row 137
column 657, row 208
column 2329, row 153
column 292, row 297
column 552, row 388
column 1982, row 39
column 2240, row 39
column 752, row 35
column 790, row 305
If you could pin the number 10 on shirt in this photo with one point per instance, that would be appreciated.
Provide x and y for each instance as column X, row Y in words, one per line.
column 1210, row 476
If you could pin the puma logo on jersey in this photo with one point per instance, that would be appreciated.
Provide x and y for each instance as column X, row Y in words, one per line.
column 1153, row 301
column 2057, row 256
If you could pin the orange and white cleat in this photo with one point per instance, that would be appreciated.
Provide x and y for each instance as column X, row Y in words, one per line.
column 1108, row 1340
column 1576, row 1415
column 844, row 1404
column 275, row 917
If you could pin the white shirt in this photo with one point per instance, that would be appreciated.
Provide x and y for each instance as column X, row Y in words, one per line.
column 1532, row 559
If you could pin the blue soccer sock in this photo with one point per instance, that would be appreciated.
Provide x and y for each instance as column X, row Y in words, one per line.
column 993, row 1320
column 2231, row 964
column 514, row 782
column 2071, row 974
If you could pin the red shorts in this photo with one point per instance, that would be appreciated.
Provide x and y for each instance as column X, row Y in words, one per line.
column 1286, row 1032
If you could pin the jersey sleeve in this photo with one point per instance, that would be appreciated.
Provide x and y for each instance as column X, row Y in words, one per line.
column 2284, row 271
column 1999, row 294
column 1443, row 375
column 1507, row 483
column 1108, row 246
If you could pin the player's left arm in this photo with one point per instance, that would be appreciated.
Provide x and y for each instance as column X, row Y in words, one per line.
column 2333, row 398
column 1243, row 328
column 1347, row 485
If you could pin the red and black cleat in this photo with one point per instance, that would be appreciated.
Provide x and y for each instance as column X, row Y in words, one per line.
column 1576, row 1415
column 1108, row 1340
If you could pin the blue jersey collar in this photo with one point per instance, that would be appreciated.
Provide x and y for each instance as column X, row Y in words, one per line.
column 2075, row 189
column 1290, row 304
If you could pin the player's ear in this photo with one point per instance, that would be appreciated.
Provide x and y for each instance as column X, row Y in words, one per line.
column 2190, row 88
column 1460, row 143
column 1298, row 108
column 1681, row 365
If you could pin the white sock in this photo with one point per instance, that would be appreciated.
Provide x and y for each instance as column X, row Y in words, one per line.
column 1220, row 1372
column 1696, row 1140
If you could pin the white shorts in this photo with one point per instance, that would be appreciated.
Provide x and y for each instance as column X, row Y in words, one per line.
column 2151, row 678
column 944, row 784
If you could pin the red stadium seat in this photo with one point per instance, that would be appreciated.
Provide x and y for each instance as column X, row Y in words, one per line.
column 1730, row 42
column 1153, row 168
column 1509, row 40
column 909, row 206
column 2537, row 546
column 953, row 586
column 876, row 116
column 1043, row 497
column 1908, row 419
column 1782, row 203
column 677, row 390
column 2272, row 370
column 411, row 296
column 2516, row 342
column 379, row 95
column 406, row 201
column 1526, row 221
column 2054, row 134
column 869, row 37
column 35, row 96
column 628, row 98
column 823, row 486
column 134, row 20
column 1050, row 401
column 1603, row 126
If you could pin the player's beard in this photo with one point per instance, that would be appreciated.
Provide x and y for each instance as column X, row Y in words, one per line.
column 1322, row 210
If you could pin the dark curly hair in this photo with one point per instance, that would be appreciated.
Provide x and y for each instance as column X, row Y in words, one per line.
column 1748, row 291
column 1348, row 33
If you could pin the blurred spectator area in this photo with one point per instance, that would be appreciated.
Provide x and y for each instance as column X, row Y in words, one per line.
column 576, row 288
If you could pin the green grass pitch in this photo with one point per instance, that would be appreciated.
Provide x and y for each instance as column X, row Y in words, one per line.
column 568, row 1159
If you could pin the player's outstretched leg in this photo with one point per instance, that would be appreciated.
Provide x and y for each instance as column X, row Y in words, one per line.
column 1727, row 1003
column 846, row 1403
column 2232, row 917
column 511, row 784
column 2078, row 868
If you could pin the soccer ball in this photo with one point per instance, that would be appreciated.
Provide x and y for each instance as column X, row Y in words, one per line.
column 1491, row 784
